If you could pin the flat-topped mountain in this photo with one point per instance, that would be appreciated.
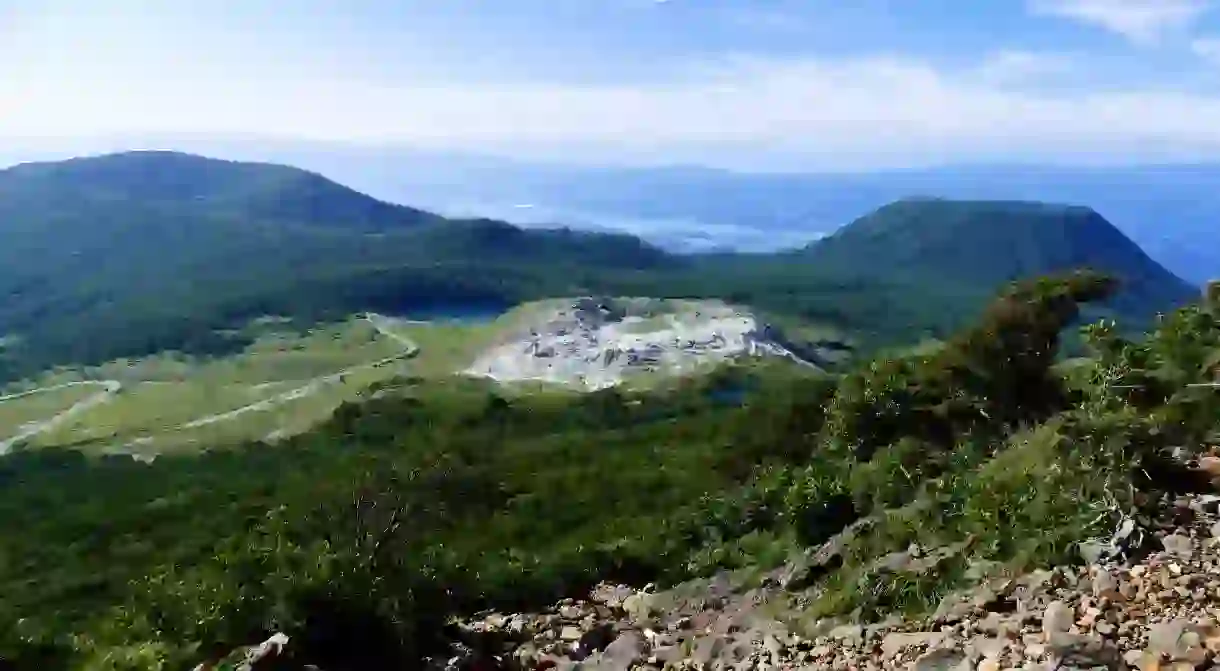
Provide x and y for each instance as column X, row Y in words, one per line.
column 984, row 244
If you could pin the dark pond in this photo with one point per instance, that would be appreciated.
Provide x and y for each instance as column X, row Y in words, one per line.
column 465, row 313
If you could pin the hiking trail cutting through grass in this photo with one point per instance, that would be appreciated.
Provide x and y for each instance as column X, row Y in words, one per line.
column 35, row 428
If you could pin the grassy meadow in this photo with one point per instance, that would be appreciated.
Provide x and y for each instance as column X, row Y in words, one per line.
column 284, row 383
column 16, row 412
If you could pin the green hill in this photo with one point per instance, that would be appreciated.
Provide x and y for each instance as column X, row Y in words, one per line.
column 813, row 498
column 255, row 191
column 132, row 253
column 973, row 247
column 127, row 254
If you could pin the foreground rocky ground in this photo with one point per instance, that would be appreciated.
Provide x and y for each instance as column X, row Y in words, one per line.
column 1149, row 600
column 1158, row 612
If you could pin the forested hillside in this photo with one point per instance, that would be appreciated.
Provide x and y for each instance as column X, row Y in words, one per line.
column 130, row 254
column 359, row 539
column 243, row 191
column 136, row 253
column 980, row 245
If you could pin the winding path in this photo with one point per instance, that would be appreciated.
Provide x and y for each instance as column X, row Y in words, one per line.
column 34, row 428
column 379, row 322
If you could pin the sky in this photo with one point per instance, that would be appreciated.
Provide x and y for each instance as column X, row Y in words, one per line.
column 756, row 84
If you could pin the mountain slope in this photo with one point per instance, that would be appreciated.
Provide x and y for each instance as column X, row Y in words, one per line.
column 1166, row 209
column 134, row 253
column 259, row 191
column 131, row 253
column 981, row 245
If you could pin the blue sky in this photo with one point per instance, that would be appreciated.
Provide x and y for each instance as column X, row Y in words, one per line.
column 738, row 83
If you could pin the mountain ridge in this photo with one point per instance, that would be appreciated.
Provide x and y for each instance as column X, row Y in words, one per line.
column 923, row 235
column 1163, row 207
column 90, row 246
column 261, row 191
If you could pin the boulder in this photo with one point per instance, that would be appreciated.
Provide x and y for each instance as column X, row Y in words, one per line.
column 264, row 656
column 622, row 652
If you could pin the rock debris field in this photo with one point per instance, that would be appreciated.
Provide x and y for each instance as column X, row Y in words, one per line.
column 594, row 343
column 1160, row 613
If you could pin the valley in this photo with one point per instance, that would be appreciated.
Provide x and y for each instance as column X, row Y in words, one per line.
column 610, row 335
column 282, row 384
column 249, row 404
column 285, row 382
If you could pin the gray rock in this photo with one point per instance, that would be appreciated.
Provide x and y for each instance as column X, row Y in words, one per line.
column 557, row 662
column 666, row 654
column 639, row 606
column 1058, row 617
column 708, row 649
column 570, row 613
column 1104, row 582
column 794, row 573
column 1081, row 651
column 594, row 640
column 1179, row 545
column 996, row 623
column 1208, row 503
column 892, row 644
column 265, row 653
column 942, row 660
column 811, row 566
column 570, row 634
column 1093, row 552
column 1178, row 640
column 852, row 634
column 526, row 655
column 1135, row 658
column 624, row 651
column 953, row 608
column 988, row 646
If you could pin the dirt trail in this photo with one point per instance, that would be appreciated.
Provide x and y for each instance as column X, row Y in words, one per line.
column 34, row 428
column 380, row 322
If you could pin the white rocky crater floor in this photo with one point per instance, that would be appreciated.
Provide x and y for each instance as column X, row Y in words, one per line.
column 594, row 343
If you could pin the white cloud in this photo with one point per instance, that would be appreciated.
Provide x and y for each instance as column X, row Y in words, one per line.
column 816, row 113
column 1207, row 48
column 1141, row 21
column 742, row 111
column 1016, row 67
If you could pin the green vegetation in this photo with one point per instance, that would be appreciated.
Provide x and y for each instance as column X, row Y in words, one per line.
column 421, row 496
column 294, row 374
column 972, row 247
column 360, row 537
column 16, row 412
column 133, row 254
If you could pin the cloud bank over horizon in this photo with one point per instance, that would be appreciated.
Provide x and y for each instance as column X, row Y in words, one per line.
column 770, row 84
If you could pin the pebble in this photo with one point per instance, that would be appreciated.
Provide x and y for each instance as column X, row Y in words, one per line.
column 1161, row 613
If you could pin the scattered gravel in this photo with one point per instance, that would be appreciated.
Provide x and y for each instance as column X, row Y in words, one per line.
column 1160, row 613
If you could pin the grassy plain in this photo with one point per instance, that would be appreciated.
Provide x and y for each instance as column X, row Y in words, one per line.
column 281, row 385
column 16, row 412
column 284, row 383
